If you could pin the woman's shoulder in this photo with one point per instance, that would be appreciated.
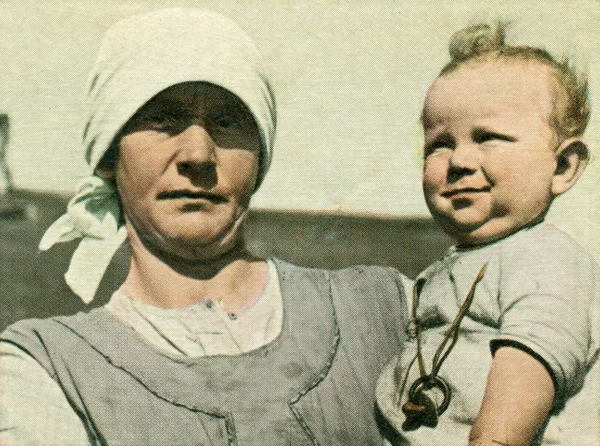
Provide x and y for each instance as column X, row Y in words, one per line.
column 371, row 288
column 37, row 333
column 371, row 274
column 27, row 328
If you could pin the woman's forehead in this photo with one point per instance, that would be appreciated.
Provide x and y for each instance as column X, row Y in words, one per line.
column 192, row 94
column 190, row 98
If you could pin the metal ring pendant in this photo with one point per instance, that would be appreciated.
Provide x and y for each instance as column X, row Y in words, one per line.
column 429, row 382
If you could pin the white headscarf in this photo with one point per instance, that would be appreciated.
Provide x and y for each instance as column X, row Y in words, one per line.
column 140, row 57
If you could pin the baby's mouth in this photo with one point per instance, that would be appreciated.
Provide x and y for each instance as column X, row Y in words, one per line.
column 464, row 190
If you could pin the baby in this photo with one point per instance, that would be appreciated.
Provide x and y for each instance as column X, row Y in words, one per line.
column 503, row 127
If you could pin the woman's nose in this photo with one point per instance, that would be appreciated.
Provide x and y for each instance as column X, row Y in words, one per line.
column 196, row 158
column 196, row 145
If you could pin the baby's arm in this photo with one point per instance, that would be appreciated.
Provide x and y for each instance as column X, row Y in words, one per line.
column 518, row 398
column 549, row 289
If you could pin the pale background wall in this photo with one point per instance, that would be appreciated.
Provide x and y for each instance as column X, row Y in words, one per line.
column 349, row 76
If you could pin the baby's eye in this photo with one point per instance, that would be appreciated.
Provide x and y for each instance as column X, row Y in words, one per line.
column 437, row 145
column 482, row 136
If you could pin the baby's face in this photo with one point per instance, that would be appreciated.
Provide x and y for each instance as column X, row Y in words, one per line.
column 489, row 149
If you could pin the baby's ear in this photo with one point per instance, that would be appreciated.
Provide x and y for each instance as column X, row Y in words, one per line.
column 571, row 158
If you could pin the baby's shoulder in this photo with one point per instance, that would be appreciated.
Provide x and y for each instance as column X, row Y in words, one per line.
column 546, row 261
column 543, row 248
column 542, row 258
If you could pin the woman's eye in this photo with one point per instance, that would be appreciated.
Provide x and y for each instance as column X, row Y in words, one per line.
column 162, row 120
column 157, row 121
column 227, row 121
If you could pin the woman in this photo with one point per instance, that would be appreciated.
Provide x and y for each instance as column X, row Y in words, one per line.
column 203, row 343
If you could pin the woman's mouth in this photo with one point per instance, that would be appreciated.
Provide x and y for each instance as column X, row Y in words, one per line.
column 185, row 194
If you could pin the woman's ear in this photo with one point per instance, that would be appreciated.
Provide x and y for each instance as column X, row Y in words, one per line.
column 105, row 171
column 571, row 158
column 107, row 167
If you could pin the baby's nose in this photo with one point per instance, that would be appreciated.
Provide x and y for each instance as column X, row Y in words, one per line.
column 465, row 156
column 463, row 161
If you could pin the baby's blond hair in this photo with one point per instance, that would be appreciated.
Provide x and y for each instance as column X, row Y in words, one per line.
column 483, row 43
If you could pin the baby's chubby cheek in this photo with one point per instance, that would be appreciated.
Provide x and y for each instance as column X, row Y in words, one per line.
column 434, row 178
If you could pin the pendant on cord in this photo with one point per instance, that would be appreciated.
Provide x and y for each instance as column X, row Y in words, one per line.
column 422, row 408
column 429, row 396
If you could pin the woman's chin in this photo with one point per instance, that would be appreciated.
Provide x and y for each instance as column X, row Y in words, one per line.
column 190, row 242
column 196, row 228
column 199, row 245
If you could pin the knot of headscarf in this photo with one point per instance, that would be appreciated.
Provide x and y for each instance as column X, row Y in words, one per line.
column 93, row 214
column 140, row 57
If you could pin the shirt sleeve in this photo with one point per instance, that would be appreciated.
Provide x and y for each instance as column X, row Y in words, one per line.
column 549, row 290
column 33, row 408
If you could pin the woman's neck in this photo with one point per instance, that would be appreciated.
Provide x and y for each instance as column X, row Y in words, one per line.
column 233, row 278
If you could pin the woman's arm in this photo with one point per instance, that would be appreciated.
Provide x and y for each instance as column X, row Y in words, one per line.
column 518, row 398
column 33, row 408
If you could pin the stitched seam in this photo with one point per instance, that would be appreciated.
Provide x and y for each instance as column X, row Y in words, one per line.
column 230, row 427
column 89, row 424
column 212, row 411
column 324, row 371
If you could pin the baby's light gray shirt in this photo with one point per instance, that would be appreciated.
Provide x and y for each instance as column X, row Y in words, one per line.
column 541, row 292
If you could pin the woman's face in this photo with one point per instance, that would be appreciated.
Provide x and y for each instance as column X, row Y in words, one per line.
column 187, row 167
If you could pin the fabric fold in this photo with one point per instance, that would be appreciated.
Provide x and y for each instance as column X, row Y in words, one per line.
column 93, row 214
